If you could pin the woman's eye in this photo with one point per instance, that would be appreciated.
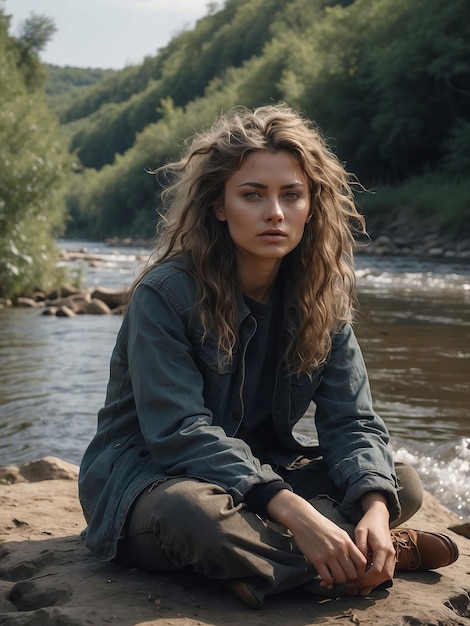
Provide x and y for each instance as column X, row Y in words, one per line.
column 251, row 195
column 292, row 195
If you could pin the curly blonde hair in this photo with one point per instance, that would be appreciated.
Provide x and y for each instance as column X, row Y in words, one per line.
column 320, row 269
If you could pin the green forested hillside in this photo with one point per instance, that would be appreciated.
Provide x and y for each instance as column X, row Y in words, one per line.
column 387, row 80
column 125, row 104
column 64, row 84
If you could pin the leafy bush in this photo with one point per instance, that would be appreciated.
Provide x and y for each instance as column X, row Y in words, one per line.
column 33, row 167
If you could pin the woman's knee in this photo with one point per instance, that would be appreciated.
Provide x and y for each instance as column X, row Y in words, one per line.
column 410, row 493
column 187, row 509
column 173, row 523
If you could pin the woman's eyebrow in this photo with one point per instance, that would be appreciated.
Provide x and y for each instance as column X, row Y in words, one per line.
column 261, row 186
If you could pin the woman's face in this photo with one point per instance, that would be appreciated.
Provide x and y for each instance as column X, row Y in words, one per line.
column 266, row 206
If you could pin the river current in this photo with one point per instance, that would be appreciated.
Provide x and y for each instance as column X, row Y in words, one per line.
column 413, row 326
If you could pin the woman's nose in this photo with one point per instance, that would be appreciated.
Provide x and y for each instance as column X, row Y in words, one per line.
column 274, row 210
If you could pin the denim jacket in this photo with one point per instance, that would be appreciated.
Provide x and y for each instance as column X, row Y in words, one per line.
column 171, row 411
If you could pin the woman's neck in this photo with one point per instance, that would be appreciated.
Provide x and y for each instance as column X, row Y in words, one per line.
column 259, row 284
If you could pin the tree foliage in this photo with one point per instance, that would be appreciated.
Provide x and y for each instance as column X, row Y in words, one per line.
column 36, row 31
column 390, row 80
column 33, row 163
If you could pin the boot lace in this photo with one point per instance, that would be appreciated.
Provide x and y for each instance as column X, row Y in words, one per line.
column 407, row 552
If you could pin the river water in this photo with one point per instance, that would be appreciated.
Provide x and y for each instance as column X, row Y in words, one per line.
column 414, row 329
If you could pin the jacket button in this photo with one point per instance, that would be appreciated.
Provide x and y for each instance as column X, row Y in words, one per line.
column 144, row 452
column 236, row 414
column 118, row 444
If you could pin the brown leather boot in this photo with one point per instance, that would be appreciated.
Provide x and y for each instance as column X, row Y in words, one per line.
column 245, row 593
column 420, row 550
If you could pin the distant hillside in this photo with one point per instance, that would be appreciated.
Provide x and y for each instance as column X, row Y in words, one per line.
column 65, row 84
column 114, row 111
column 387, row 80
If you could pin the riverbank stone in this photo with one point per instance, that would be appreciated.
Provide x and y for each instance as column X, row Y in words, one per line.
column 44, row 468
column 97, row 307
column 65, row 311
column 28, row 303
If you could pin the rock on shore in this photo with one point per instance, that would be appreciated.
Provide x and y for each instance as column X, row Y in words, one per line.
column 48, row 578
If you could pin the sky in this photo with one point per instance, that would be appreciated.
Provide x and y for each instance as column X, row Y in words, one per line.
column 107, row 33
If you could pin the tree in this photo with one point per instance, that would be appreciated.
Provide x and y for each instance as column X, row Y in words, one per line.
column 33, row 166
column 36, row 32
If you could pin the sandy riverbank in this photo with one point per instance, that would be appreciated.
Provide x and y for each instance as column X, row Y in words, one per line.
column 48, row 578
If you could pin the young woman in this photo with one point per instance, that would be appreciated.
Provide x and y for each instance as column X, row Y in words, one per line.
column 240, row 323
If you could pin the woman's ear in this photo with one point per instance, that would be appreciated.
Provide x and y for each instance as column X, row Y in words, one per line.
column 219, row 211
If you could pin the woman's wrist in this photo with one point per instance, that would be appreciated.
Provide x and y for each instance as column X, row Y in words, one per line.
column 290, row 509
column 259, row 496
column 281, row 507
column 374, row 499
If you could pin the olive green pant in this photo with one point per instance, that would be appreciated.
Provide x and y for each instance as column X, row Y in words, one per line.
column 183, row 523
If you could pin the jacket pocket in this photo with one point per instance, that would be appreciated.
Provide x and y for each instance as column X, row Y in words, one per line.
column 302, row 391
column 208, row 354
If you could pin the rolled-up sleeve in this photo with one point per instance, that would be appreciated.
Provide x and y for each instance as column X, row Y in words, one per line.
column 354, row 439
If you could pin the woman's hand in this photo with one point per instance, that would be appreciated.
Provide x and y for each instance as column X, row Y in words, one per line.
column 327, row 546
column 374, row 541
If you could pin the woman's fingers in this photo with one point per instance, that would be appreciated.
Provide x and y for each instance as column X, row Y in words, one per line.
column 342, row 567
